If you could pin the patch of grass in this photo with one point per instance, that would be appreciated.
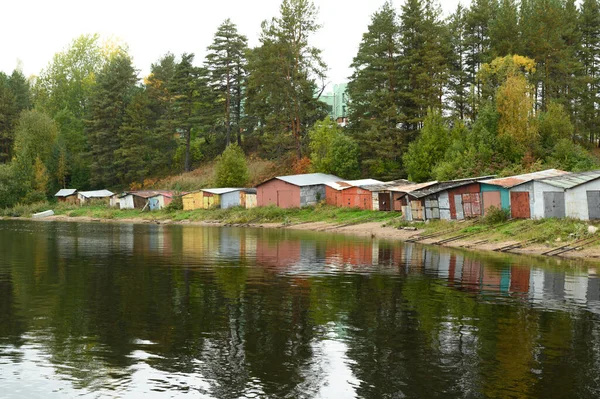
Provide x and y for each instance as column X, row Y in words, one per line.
column 26, row 210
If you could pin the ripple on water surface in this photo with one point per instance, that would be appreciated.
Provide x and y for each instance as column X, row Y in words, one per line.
column 122, row 310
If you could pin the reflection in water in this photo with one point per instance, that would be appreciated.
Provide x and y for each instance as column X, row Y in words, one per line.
column 124, row 310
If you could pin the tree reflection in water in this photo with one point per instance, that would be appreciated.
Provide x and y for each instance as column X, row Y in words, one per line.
column 226, row 312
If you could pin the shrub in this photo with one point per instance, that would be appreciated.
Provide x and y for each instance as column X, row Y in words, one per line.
column 175, row 205
column 495, row 215
column 231, row 168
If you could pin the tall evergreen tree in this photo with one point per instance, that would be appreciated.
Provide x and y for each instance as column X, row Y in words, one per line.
column 227, row 64
column 284, row 70
column 424, row 64
column 589, row 56
column 161, row 103
column 458, row 85
column 374, row 95
column 478, row 43
column 502, row 30
column 109, row 101
column 15, row 96
column 188, row 87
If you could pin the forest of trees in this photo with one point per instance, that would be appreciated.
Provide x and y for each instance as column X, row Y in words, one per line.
column 498, row 87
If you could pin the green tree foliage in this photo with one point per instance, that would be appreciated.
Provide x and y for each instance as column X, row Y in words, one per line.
column 428, row 149
column 374, row 90
column 15, row 96
column 191, row 100
column 478, row 44
column 40, row 177
column 284, row 71
column 227, row 65
column 331, row 151
column 68, row 80
column 344, row 157
column 425, row 49
column 554, row 125
column 458, row 83
column 502, row 29
column 138, row 152
column 231, row 168
column 589, row 54
column 161, row 98
column 109, row 100
column 35, row 135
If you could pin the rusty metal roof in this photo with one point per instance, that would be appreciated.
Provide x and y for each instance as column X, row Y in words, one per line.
column 409, row 188
column 572, row 180
column 511, row 181
column 424, row 189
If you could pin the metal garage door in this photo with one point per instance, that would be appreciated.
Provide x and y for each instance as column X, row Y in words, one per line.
column 593, row 198
column 384, row 202
column 519, row 205
column 491, row 198
column 471, row 205
column 459, row 207
column 554, row 205
column 432, row 209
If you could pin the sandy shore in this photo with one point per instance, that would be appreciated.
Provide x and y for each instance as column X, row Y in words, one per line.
column 371, row 229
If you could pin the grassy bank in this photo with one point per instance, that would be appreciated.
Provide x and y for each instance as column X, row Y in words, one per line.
column 321, row 213
column 547, row 231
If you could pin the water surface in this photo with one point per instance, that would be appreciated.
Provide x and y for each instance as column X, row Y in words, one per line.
column 120, row 310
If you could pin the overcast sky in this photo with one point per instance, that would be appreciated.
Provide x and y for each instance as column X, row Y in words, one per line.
column 33, row 30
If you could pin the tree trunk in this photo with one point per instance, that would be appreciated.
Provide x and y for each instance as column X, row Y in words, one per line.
column 187, row 150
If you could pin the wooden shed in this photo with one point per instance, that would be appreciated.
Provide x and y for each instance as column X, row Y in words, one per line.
column 294, row 191
column 67, row 195
column 497, row 192
column 135, row 199
column 161, row 199
column 384, row 196
column 350, row 194
column 193, row 200
column 85, row 197
column 244, row 197
column 412, row 207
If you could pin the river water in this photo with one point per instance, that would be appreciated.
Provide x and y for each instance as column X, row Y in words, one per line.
column 120, row 310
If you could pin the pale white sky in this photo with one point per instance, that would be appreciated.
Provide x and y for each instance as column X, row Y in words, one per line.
column 33, row 30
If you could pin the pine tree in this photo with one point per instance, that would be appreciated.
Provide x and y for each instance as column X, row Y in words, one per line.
column 478, row 44
column 282, row 84
column 110, row 98
column 15, row 96
column 186, row 89
column 503, row 28
column 589, row 56
column 424, row 64
column 227, row 65
column 374, row 96
column 161, row 103
column 458, row 86
column 137, row 157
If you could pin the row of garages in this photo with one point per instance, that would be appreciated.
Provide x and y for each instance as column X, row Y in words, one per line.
column 153, row 200
column 545, row 194
column 550, row 193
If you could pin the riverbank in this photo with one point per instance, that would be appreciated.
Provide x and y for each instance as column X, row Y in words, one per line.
column 531, row 237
